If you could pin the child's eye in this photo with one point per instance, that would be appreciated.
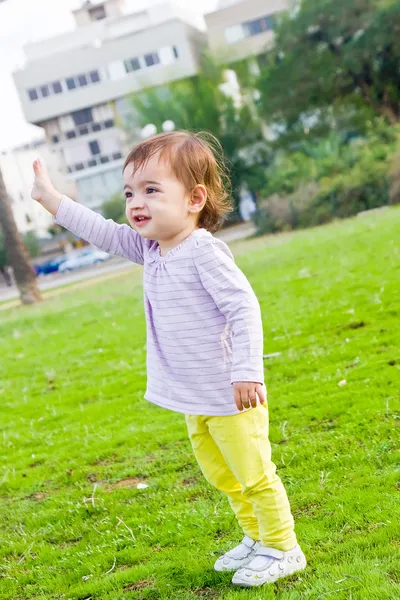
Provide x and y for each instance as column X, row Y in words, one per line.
column 128, row 195
column 150, row 190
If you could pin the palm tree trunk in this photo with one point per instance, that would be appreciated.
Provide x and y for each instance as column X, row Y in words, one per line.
column 16, row 252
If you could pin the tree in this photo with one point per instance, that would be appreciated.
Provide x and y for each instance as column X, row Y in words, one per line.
column 199, row 103
column 114, row 208
column 3, row 253
column 332, row 54
column 17, row 255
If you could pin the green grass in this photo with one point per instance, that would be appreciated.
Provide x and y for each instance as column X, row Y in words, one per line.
column 74, row 423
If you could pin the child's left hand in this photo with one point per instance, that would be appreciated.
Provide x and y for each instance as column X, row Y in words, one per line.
column 246, row 392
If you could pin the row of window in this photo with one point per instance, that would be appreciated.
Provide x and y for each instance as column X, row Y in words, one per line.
column 247, row 29
column 58, row 87
column 153, row 58
column 164, row 56
column 84, row 130
column 95, row 160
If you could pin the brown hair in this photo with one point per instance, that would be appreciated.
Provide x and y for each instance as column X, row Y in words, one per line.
column 195, row 158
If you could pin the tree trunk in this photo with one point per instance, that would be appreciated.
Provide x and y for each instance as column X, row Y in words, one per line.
column 16, row 252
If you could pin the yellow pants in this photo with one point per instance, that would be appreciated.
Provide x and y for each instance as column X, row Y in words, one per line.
column 234, row 454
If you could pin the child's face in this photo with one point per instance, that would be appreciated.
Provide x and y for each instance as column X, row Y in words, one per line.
column 157, row 203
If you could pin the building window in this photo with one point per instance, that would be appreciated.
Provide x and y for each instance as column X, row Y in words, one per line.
column 235, row 33
column 258, row 26
column 92, row 163
column 44, row 90
column 117, row 155
column 71, row 85
column 109, row 123
column 104, row 159
column 94, row 76
column 56, row 85
column 79, row 166
column 175, row 51
column 82, row 80
column 28, row 219
column 55, row 139
column 81, row 117
column 151, row 59
column 33, row 95
column 132, row 65
column 70, row 135
column 94, row 147
column 83, row 131
column 97, row 13
column 96, row 127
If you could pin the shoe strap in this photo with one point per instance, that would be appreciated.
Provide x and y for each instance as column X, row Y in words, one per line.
column 248, row 541
column 271, row 552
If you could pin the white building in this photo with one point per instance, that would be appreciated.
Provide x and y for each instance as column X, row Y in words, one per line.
column 75, row 85
column 16, row 168
column 242, row 28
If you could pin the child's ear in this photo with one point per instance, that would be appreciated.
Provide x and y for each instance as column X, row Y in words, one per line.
column 198, row 199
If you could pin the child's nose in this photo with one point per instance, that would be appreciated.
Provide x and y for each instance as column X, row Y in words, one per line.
column 136, row 202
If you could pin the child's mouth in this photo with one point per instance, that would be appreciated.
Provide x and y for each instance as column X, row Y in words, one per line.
column 141, row 220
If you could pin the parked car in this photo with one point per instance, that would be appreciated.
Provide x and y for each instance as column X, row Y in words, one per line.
column 50, row 266
column 86, row 258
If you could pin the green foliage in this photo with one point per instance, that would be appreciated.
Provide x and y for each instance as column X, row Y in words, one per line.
column 78, row 436
column 32, row 243
column 54, row 230
column 330, row 179
column 332, row 53
column 198, row 104
column 114, row 208
column 394, row 179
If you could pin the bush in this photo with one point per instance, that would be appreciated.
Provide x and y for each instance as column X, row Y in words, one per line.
column 360, row 176
column 114, row 208
column 364, row 186
column 32, row 243
column 394, row 180
column 283, row 213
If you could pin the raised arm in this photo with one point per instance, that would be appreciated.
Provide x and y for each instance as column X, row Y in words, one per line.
column 107, row 235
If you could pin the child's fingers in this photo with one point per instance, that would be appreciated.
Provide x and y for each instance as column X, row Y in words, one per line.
column 253, row 397
column 260, row 389
column 245, row 395
column 238, row 399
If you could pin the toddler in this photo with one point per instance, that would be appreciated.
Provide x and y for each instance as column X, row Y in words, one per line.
column 204, row 333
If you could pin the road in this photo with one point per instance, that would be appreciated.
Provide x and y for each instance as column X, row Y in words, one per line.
column 115, row 264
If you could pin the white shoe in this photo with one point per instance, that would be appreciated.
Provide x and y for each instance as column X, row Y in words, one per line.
column 239, row 556
column 268, row 565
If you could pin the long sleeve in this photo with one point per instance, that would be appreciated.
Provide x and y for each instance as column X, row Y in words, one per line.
column 235, row 298
column 107, row 235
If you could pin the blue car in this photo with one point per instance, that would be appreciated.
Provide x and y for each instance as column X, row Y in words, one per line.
column 51, row 266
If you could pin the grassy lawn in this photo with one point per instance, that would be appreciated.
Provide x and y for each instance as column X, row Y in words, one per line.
column 77, row 436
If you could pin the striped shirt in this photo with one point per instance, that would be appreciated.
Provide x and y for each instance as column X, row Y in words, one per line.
column 204, row 328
